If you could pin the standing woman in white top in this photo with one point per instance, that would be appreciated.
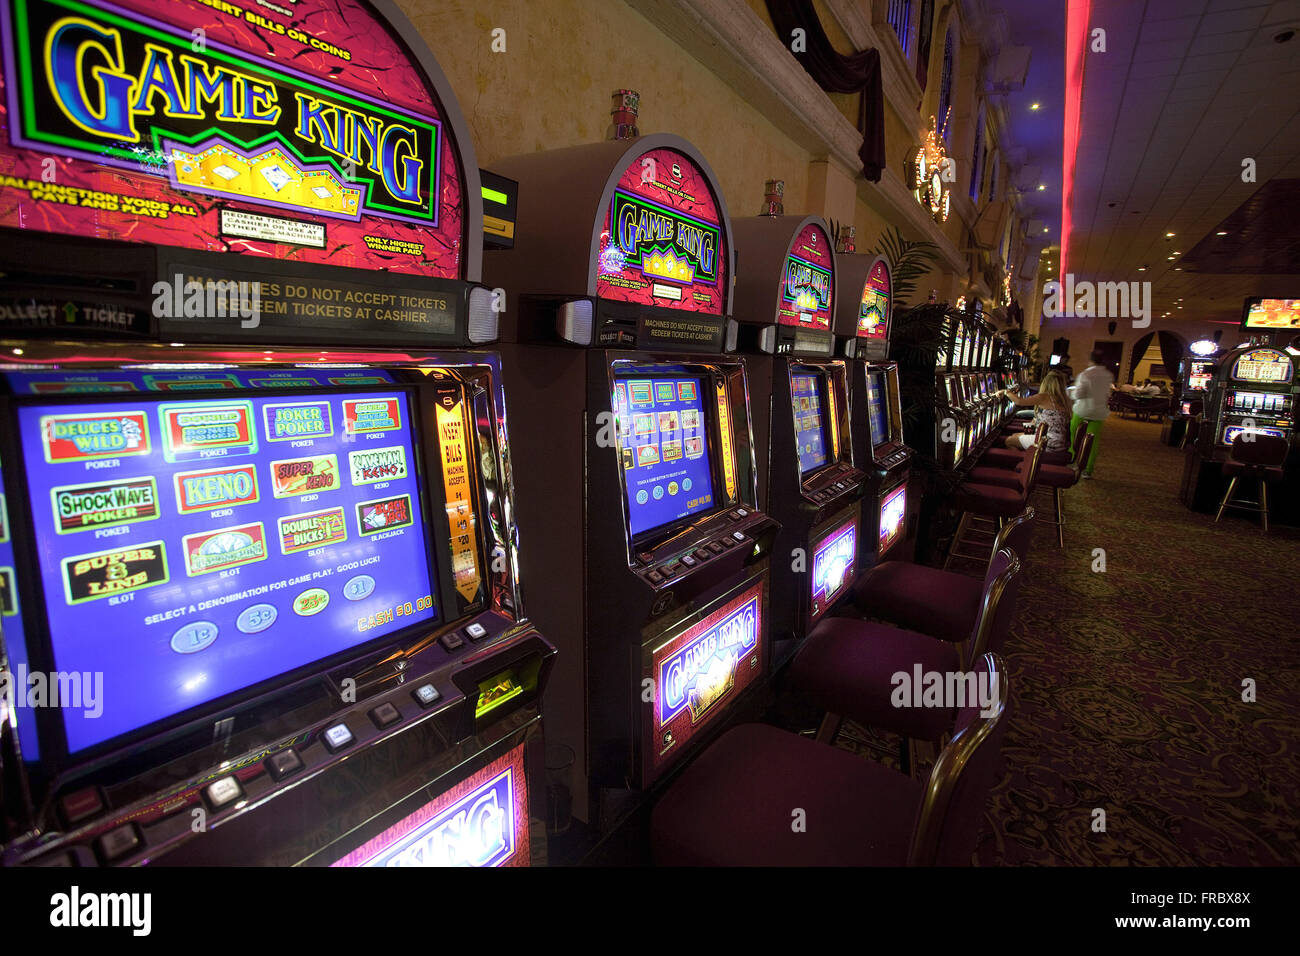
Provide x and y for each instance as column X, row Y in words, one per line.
column 1091, row 394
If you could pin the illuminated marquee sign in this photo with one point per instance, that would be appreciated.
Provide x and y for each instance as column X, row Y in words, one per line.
column 873, row 313
column 928, row 173
column 703, row 668
column 483, row 821
column 832, row 567
column 808, row 284
column 662, row 242
column 296, row 130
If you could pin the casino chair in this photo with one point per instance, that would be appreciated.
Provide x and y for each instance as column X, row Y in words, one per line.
column 1192, row 431
column 942, row 604
column 732, row 806
column 846, row 667
column 1011, row 458
column 1059, row 477
column 991, row 504
column 1259, row 458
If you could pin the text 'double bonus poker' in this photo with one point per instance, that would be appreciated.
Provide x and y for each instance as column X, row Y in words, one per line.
column 184, row 546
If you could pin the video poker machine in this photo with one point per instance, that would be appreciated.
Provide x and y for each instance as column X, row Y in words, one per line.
column 650, row 562
column 261, row 595
column 862, row 326
column 785, row 304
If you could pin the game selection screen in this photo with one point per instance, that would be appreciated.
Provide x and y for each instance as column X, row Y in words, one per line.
column 664, row 447
column 809, row 426
column 191, row 548
column 876, row 408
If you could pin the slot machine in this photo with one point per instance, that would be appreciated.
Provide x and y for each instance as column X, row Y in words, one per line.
column 785, row 303
column 862, row 326
column 1253, row 392
column 259, row 520
column 1195, row 374
column 650, row 562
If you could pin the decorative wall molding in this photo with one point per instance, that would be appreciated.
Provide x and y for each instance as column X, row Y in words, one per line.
column 737, row 46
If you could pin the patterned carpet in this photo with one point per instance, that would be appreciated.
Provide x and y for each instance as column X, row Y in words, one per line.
column 1128, row 683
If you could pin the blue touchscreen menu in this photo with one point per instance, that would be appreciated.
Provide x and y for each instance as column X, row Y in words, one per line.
column 189, row 549
column 809, row 424
column 876, row 408
column 664, row 449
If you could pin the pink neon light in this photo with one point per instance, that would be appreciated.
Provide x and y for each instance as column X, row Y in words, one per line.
column 1077, row 15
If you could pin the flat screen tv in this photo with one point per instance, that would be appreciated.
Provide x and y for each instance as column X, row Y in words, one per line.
column 1271, row 315
column 190, row 549
column 809, row 407
column 664, row 443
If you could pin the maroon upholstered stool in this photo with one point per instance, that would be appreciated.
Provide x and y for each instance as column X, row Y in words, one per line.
column 1256, row 456
column 994, row 503
column 846, row 667
column 1060, row 477
column 1013, row 458
column 942, row 604
column 733, row 805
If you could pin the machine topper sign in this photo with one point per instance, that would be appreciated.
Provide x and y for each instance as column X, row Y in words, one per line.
column 662, row 241
column 174, row 125
column 808, row 289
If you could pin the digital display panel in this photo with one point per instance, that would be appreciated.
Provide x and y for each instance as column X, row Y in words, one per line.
column 873, row 312
column 482, row 821
column 300, row 131
column 189, row 549
column 663, row 242
column 877, row 408
column 1263, row 365
column 833, row 561
column 808, row 286
column 1199, row 376
column 959, row 344
column 809, row 421
column 1272, row 314
column 163, row 380
column 893, row 509
column 664, row 445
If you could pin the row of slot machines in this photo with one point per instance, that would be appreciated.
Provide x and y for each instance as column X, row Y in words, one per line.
column 971, row 366
column 285, row 577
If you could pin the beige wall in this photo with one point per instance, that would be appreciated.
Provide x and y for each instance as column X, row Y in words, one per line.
column 551, row 88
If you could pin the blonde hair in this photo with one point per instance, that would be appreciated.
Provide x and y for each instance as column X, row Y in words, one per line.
column 1053, row 387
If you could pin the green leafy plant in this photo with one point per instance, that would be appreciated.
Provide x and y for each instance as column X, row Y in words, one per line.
column 908, row 262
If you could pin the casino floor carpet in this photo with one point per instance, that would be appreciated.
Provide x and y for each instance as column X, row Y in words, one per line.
column 1128, row 682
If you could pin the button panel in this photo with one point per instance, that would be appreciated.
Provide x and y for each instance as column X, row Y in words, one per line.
column 476, row 631
column 452, row 641
column 385, row 715
column 223, row 792
column 426, row 695
column 118, row 842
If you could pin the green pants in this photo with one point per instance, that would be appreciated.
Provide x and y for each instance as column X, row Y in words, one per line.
column 1094, row 429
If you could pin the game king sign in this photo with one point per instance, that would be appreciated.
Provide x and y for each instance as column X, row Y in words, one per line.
column 255, row 127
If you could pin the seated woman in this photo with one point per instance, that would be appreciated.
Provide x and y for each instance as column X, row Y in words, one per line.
column 1052, row 406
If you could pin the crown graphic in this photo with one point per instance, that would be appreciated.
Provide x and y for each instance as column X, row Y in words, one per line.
column 712, row 685
column 806, row 301
column 666, row 264
column 269, row 174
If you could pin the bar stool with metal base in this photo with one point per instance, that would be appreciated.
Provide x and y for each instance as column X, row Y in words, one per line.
column 1253, row 456
column 1057, row 478
column 733, row 805
column 991, row 506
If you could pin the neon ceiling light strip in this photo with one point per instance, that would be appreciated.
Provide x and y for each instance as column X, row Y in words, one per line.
column 1077, row 15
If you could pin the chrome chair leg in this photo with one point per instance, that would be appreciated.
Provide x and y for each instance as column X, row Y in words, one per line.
column 1232, row 483
column 1263, row 502
column 956, row 539
column 1060, row 517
